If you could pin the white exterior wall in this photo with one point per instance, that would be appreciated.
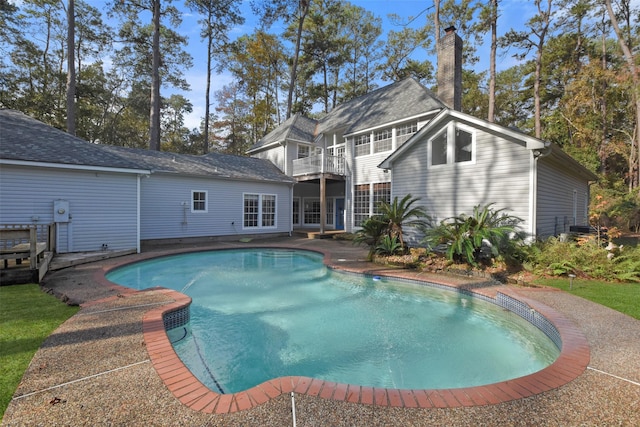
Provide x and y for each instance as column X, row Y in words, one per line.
column 563, row 199
column 103, row 205
column 500, row 175
column 164, row 216
column 277, row 156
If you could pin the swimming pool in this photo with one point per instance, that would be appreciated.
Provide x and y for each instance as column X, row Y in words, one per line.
column 262, row 314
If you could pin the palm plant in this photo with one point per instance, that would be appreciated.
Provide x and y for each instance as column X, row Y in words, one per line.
column 388, row 246
column 371, row 232
column 466, row 236
column 399, row 214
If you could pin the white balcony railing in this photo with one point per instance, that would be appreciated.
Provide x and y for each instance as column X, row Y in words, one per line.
column 314, row 164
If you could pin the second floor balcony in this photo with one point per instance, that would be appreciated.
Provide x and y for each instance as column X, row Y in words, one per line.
column 320, row 164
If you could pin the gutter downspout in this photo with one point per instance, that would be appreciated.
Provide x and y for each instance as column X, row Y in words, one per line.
column 533, row 184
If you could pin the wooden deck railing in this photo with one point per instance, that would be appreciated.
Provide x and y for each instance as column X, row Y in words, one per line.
column 26, row 241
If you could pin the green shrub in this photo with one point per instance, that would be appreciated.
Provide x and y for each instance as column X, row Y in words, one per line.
column 394, row 216
column 388, row 246
column 370, row 233
column 487, row 235
column 556, row 258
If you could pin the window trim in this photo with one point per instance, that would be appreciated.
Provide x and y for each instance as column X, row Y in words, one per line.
column 359, row 138
column 369, row 200
column 260, row 212
column 382, row 137
column 193, row 201
column 301, row 148
column 450, row 132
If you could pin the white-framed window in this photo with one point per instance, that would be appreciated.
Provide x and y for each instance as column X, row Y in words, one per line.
column 439, row 149
column 259, row 210
column 382, row 140
column 463, row 145
column 311, row 211
column 198, row 201
column 303, row 151
column 362, row 144
column 361, row 197
column 454, row 144
column 296, row 210
column 404, row 132
column 381, row 193
column 367, row 198
column 269, row 210
column 329, row 214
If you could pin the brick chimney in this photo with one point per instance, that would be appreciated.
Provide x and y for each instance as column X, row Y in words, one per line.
column 450, row 69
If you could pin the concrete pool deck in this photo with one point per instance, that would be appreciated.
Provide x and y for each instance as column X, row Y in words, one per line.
column 98, row 369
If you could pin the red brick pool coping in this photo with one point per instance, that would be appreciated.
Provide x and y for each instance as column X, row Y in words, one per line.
column 571, row 363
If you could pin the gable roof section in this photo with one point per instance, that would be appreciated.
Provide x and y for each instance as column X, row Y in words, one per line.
column 212, row 165
column 446, row 115
column 25, row 139
column 388, row 104
column 295, row 128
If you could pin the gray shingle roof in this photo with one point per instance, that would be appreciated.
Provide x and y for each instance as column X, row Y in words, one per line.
column 212, row 165
column 392, row 103
column 26, row 139
column 296, row 127
column 397, row 101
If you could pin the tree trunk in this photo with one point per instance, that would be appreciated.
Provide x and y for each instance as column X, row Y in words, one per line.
column 303, row 9
column 602, row 155
column 536, row 93
column 71, row 68
column 492, row 61
column 208, row 89
column 634, row 157
column 154, row 115
column 546, row 16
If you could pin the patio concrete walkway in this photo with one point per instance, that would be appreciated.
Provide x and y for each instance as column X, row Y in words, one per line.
column 95, row 368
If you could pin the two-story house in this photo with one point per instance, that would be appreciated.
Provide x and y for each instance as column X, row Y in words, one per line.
column 403, row 139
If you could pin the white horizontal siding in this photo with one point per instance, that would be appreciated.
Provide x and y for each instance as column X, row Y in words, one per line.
column 163, row 215
column 555, row 205
column 276, row 155
column 499, row 175
column 103, row 206
column 366, row 170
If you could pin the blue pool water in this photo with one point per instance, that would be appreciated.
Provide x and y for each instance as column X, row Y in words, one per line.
column 262, row 314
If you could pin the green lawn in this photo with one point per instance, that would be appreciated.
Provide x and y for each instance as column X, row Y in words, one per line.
column 27, row 317
column 623, row 297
